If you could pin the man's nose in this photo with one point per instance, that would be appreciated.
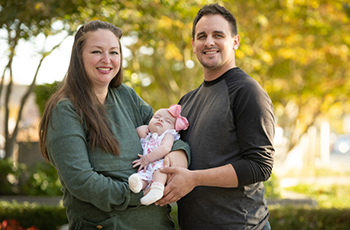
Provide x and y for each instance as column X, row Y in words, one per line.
column 209, row 41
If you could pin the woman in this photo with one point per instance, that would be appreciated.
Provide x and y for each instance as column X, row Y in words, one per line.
column 88, row 132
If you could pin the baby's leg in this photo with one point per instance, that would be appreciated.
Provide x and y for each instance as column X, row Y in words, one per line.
column 136, row 184
column 160, row 177
column 157, row 188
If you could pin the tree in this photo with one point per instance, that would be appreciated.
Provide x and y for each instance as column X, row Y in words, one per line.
column 25, row 19
column 298, row 51
column 158, row 36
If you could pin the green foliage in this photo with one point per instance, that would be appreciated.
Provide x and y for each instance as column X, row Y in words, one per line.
column 291, row 218
column 43, row 93
column 173, row 215
column 43, row 181
column 28, row 18
column 272, row 188
column 9, row 174
column 39, row 216
column 38, row 180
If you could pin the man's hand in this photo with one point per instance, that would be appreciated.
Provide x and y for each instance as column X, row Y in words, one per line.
column 180, row 183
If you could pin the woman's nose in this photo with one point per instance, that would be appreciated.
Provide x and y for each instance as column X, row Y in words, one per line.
column 105, row 58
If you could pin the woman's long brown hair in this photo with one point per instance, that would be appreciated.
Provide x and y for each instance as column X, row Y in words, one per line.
column 77, row 87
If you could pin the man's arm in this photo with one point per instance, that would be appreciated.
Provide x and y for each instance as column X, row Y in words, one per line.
column 182, row 181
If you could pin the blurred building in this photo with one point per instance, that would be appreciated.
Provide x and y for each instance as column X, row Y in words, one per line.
column 28, row 127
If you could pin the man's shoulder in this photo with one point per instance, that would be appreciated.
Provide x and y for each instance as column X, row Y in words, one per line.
column 189, row 94
column 238, row 78
column 237, row 74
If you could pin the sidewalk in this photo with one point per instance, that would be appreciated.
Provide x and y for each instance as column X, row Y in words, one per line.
column 49, row 200
column 288, row 198
column 292, row 198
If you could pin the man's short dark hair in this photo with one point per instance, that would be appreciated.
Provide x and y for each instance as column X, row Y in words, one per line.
column 215, row 9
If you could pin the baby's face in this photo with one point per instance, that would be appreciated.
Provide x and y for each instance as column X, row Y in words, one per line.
column 161, row 121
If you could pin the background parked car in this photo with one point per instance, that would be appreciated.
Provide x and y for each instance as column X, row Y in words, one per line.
column 341, row 145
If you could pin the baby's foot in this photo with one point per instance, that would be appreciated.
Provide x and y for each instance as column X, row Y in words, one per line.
column 135, row 183
column 154, row 194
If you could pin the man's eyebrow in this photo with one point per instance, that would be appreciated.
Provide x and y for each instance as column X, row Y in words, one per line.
column 201, row 33
column 214, row 32
column 218, row 32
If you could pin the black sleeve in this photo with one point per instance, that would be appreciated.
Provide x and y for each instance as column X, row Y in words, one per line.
column 254, row 119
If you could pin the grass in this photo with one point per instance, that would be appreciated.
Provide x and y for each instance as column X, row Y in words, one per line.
column 327, row 196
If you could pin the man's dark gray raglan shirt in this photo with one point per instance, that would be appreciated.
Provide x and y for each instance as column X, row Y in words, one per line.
column 231, row 122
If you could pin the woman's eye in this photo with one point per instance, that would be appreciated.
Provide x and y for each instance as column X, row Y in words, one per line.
column 96, row 52
column 114, row 53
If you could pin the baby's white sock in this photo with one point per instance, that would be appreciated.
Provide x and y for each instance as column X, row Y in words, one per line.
column 135, row 183
column 154, row 194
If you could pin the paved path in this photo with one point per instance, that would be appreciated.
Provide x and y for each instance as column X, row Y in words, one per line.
column 50, row 200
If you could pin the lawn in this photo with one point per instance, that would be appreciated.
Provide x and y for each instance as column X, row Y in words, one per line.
column 327, row 196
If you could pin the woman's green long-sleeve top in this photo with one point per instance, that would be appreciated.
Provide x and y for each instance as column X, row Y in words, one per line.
column 95, row 183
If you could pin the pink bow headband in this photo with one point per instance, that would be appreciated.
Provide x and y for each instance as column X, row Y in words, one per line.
column 181, row 123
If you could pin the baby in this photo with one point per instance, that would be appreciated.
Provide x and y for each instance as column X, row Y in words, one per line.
column 157, row 139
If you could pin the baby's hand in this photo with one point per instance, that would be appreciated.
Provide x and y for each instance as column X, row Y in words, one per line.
column 142, row 162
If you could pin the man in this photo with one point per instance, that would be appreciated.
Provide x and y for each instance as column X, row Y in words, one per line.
column 231, row 130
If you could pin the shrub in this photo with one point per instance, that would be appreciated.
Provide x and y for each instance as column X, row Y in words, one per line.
column 9, row 174
column 302, row 218
column 36, row 215
column 286, row 217
column 42, row 181
column 43, row 93
column 19, row 179
column 272, row 188
column 14, row 225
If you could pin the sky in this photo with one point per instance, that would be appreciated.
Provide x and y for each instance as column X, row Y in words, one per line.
column 26, row 60
column 54, row 66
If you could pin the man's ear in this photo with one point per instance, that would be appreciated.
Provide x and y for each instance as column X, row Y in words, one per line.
column 193, row 48
column 237, row 40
